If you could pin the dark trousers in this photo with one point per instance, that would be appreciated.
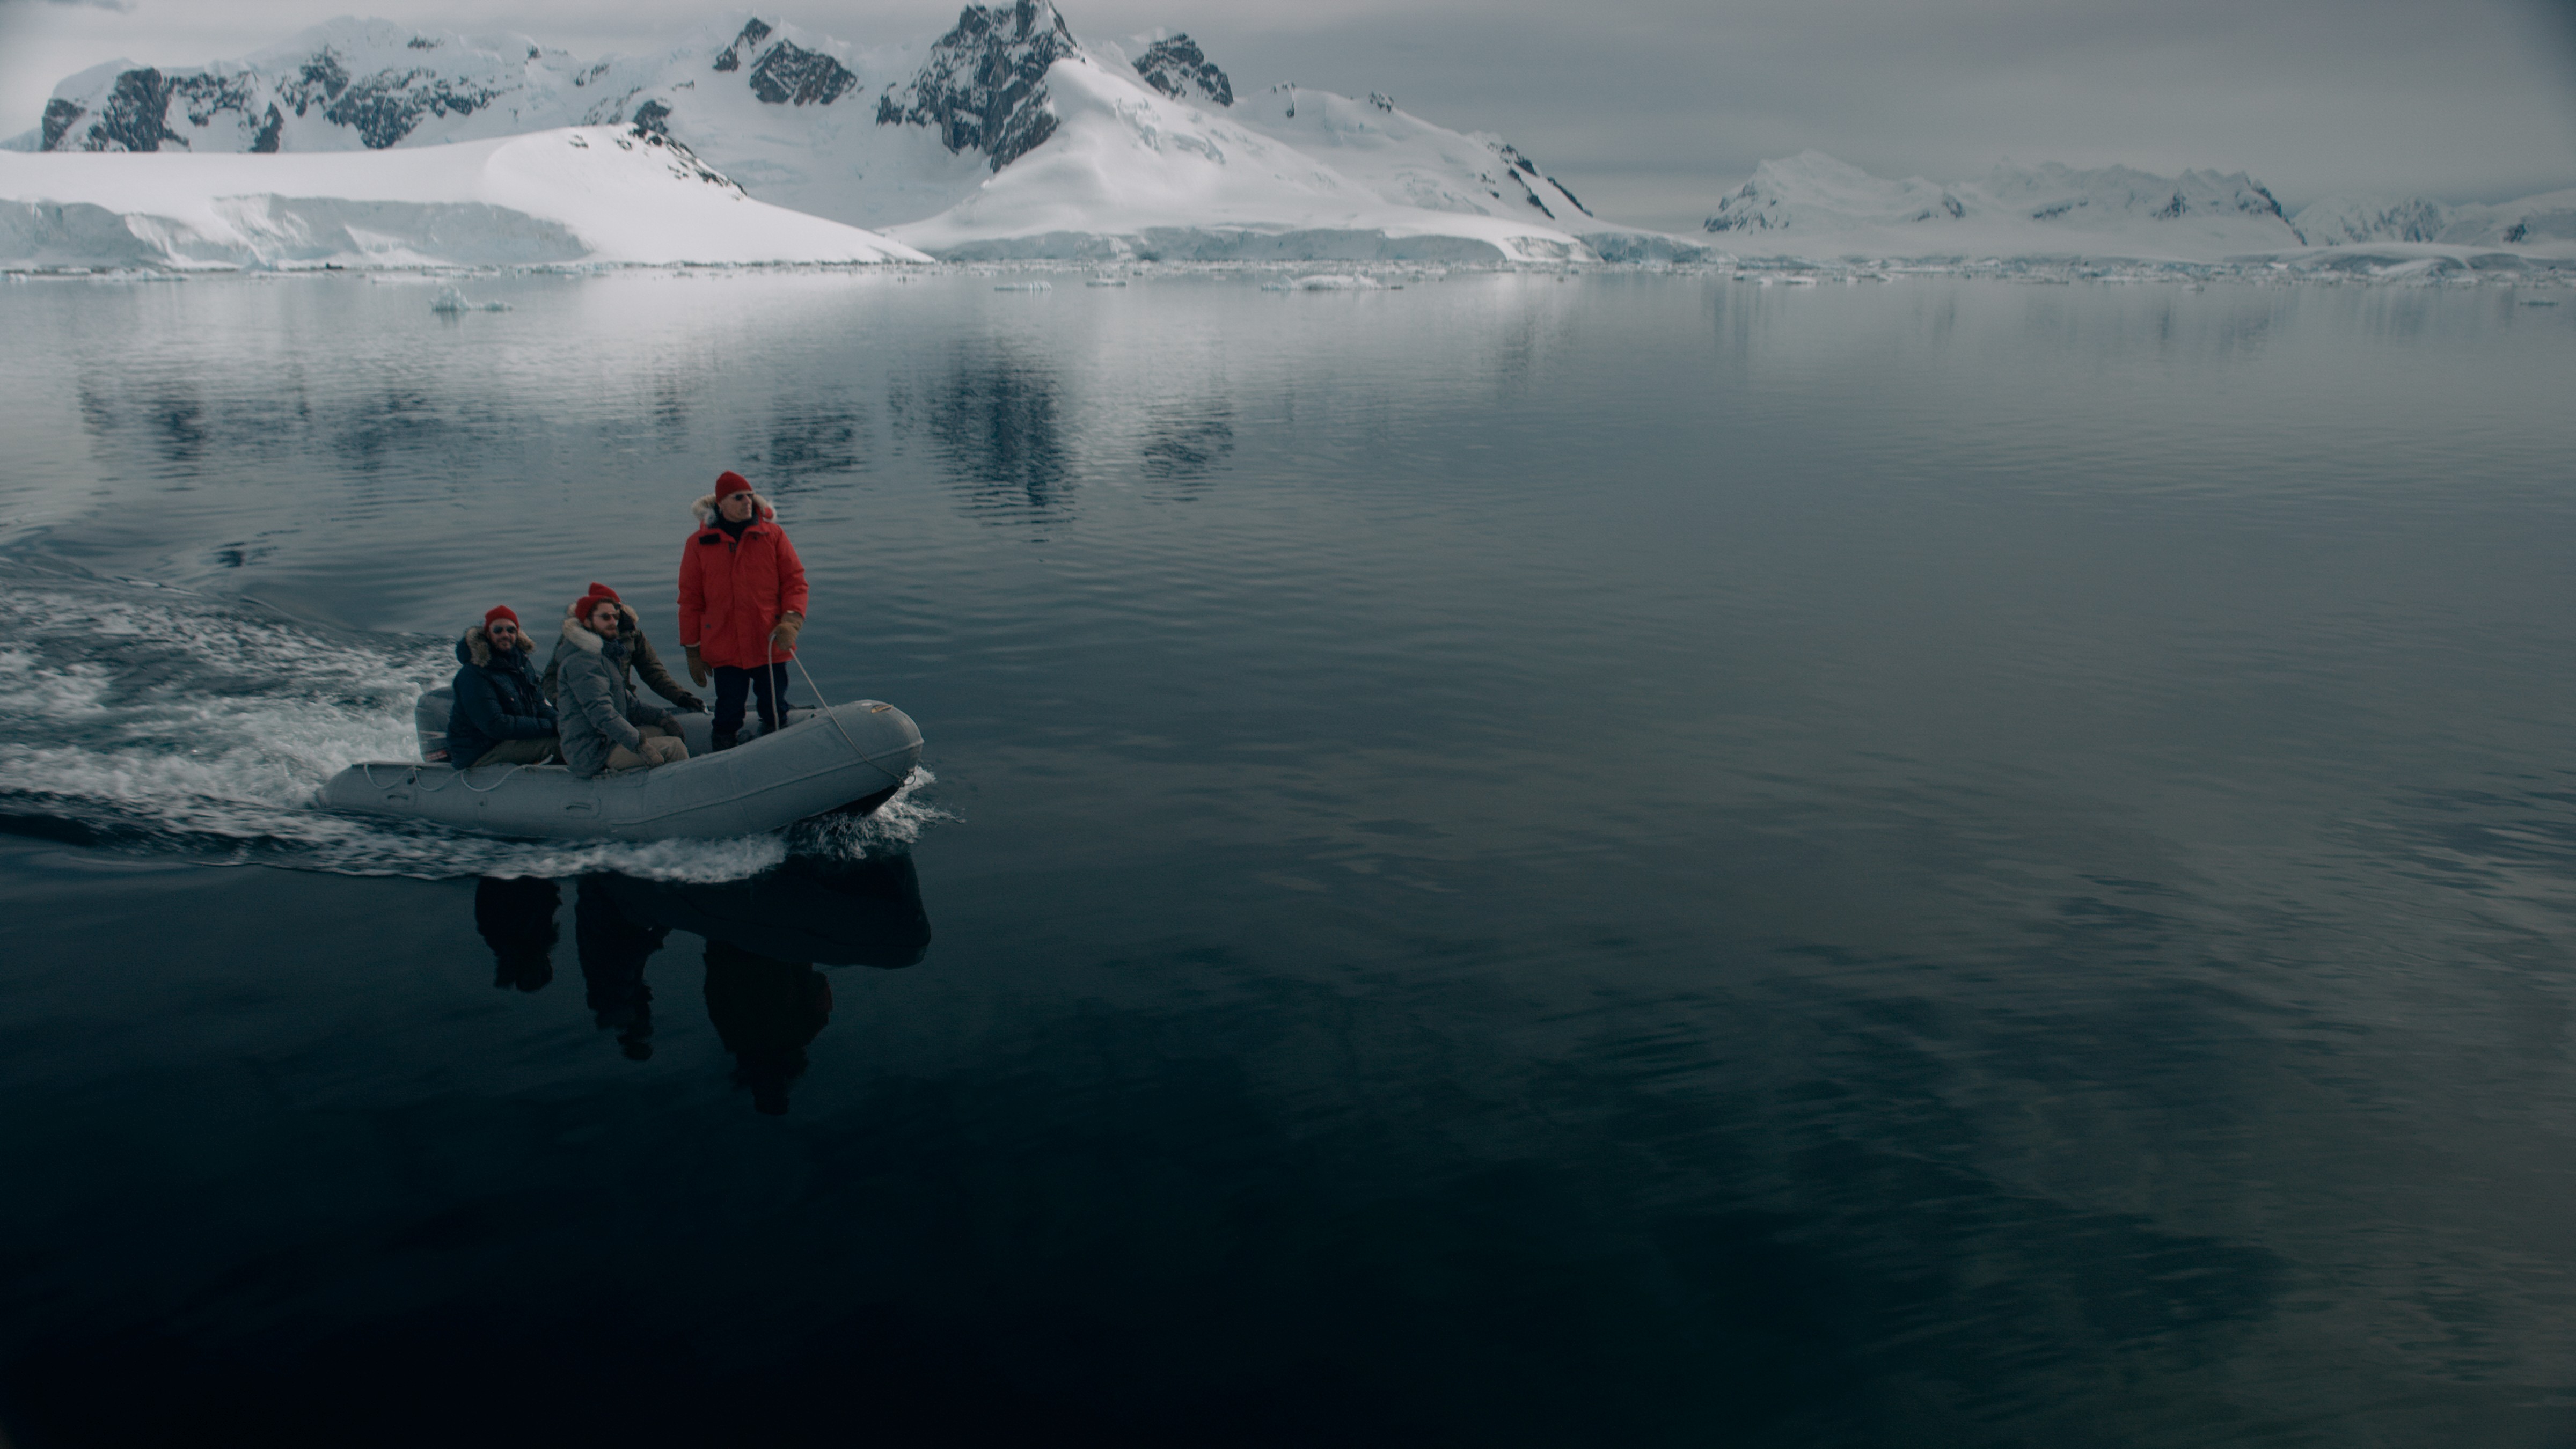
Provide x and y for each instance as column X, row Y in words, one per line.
column 732, row 684
column 520, row 752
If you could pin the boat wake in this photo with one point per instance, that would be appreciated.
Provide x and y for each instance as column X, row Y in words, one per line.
column 153, row 720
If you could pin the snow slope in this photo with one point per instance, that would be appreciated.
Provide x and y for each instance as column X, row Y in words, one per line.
column 1411, row 162
column 597, row 194
column 1128, row 171
column 1812, row 204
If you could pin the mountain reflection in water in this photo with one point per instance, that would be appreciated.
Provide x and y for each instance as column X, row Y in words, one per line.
column 1653, row 861
column 765, row 936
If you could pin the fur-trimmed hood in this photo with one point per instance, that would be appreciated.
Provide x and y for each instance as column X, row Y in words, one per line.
column 578, row 635
column 476, row 648
column 705, row 509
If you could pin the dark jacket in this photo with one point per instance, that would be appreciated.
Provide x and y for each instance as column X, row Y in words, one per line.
column 497, row 698
column 600, row 710
column 640, row 661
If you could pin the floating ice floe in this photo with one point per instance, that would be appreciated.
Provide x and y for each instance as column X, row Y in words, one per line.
column 451, row 301
column 1024, row 286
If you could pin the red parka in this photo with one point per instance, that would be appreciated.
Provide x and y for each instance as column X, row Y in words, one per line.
column 733, row 592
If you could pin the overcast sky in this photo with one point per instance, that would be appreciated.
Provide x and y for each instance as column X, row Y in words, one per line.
column 1653, row 109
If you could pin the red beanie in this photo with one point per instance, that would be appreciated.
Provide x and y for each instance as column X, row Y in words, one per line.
column 729, row 483
column 592, row 600
column 604, row 591
column 500, row 611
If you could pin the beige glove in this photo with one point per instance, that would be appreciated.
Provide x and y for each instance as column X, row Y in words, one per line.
column 783, row 638
column 698, row 667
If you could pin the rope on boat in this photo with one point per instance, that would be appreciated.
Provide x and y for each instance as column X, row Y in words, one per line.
column 781, row 705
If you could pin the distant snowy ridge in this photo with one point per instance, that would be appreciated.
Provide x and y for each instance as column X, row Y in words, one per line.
column 588, row 194
column 2532, row 222
column 1812, row 202
column 1009, row 136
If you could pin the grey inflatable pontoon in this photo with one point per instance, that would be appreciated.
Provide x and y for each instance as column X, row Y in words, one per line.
column 847, row 759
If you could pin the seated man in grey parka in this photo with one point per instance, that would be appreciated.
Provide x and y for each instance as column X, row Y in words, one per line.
column 601, row 724
column 641, row 662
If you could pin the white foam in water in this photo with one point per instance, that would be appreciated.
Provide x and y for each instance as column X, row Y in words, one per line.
column 897, row 822
column 175, row 722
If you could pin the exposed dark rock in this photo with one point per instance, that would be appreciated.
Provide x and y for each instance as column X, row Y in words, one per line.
column 204, row 96
column 753, row 33
column 984, row 85
column 788, row 72
column 653, row 118
column 321, row 79
column 1382, row 101
column 1751, row 218
column 138, row 113
column 60, row 115
column 2171, row 209
column 385, row 107
column 1570, row 196
column 1178, row 69
column 136, row 116
column 423, row 42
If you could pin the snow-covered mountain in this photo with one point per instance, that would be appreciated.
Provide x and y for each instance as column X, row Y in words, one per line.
column 1006, row 136
column 2533, row 221
column 588, row 194
column 1812, row 203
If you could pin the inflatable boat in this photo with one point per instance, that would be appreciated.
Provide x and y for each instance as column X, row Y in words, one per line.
column 848, row 759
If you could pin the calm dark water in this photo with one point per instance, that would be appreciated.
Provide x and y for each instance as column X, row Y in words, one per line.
column 1621, row 860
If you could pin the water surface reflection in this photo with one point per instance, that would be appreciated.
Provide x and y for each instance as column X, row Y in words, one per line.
column 997, row 423
column 765, row 936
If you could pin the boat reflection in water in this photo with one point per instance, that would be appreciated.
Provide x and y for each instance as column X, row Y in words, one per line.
column 516, row 917
column 613, row 951
column 765, row 937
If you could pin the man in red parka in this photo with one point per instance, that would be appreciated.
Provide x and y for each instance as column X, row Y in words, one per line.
column 742, row 601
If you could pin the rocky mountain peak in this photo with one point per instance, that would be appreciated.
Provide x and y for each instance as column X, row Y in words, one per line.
column 783, row 72
column 754, row 31
column 1178, row 69
column 984, row 84
column 367, row 76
